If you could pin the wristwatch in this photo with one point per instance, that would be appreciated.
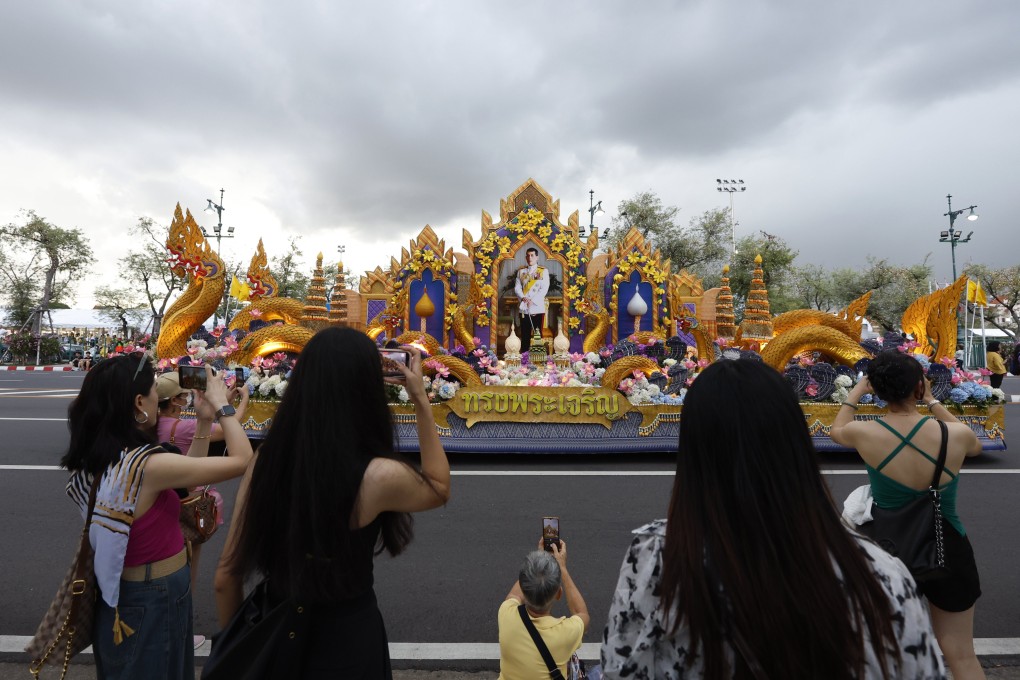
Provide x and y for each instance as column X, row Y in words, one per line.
column 227, row 410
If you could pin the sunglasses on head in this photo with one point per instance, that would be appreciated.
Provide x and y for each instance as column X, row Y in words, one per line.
column 143, row 358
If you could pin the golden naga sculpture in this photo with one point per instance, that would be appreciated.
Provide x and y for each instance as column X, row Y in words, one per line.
column 624, row 367
column 596, row 316
column 463, row 316
column 800, row 318
column 202, row 296
column 270, row 339
column 830, row 342
column 916, row 319
column 942, row 321
column 430, row 344
column 705, row 344
column 181, row 243
column 459, row 369
column 854, row 314
column 264, row 297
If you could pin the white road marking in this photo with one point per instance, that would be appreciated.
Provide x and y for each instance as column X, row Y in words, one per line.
column 569, row 473
column 55, row 420
column 40, row 393
column 489, row 651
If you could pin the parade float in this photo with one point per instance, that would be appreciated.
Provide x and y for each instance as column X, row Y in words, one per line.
column 621, row 339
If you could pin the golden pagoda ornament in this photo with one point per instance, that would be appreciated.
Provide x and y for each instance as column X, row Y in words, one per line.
column 424, row 308
column 725, row 327
column 313, row 314
column 338, row 300
column 757, row 323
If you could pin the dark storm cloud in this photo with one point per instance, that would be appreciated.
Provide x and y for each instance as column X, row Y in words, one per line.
column 382, row 117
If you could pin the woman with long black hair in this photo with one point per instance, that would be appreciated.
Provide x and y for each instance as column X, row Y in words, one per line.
column 143, row 620
column 324, row 494
column 753, row 573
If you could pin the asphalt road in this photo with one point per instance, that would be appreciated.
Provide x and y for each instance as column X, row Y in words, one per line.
column 445, row 588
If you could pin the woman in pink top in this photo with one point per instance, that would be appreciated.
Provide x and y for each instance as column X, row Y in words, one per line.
column 143, row 616
column 172, row 400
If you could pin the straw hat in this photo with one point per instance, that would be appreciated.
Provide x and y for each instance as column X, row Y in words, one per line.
column 168, row 386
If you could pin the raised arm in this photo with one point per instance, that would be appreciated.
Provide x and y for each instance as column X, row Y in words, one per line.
column 390, row 485
column 170, row 471
column 575, row 603
column 844, row 428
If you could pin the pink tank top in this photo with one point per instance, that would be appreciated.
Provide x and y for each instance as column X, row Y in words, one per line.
column 156, row 535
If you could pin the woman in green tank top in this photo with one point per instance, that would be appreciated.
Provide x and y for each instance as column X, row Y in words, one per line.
column 897, row 451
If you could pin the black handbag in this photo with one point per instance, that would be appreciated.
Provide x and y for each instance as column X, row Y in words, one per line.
column 261, row 641
column 914, row 532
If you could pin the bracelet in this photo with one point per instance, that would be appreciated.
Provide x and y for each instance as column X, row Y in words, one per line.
column 932, row 404
column 204, row 437
column 847, row 403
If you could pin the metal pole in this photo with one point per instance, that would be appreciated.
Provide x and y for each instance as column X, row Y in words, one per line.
column 984, row 338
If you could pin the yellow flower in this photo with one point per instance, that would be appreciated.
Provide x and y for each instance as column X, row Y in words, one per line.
column 660, row 291
column 580, row 280
column 484, row 271
column 488, row 291
column 556, row 246
column 573, row 292
column 427, row 255
column 545, row 231
column 574, row 322
column 618, row 278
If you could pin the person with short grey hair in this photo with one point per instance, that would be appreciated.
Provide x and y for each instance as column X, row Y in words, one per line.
column 542, row 580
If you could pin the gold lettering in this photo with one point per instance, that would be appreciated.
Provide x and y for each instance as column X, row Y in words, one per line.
column 486, row 398
column 518, row 402
column 502, row 402
column 550, row 404
column 536, row 402
column 470, row 401
column 588, row 400
column 574, row 405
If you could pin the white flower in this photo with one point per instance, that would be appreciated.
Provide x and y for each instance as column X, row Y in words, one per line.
column 281, row 388
column 592, row 358
column 403, row 396
column 998, row 394
column 265, row 389
column 844, row 381
column 668, row 362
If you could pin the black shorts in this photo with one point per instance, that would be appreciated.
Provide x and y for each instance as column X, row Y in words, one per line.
column 960, row 590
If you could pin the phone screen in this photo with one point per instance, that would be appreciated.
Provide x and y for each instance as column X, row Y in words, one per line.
column 192, row 377
column 390, row 359
column 238, row 376
column 550, row 532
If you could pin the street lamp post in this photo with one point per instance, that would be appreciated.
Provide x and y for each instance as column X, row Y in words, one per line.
column 218, row 233
column 731, row 186
column 952, row 237
column 593, row 209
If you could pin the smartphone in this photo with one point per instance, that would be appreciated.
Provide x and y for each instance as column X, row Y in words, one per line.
column 550, row 532
column 192, row 377
column 238, row 377
column 390, row 359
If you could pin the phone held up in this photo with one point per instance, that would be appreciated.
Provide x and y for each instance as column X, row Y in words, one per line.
column 550, row 532
column 192, row 377
column 238, row 377
column 390, row 358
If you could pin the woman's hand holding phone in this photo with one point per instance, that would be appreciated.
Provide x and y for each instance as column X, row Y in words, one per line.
column 412, row 379
column 213, row 398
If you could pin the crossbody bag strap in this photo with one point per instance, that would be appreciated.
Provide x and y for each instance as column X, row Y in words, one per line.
column 173, row 430
column 941, row 464
column 550, row 663
column 78, row 585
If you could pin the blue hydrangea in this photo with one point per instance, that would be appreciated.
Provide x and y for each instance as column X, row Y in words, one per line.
column 879, row 403
column 923, row 360
column 447, row 391
column 983, row 392
column 867, row 398
column 958, row 395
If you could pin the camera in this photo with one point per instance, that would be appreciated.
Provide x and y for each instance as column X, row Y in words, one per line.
column 390, row 360
column 192, row 377
column 550, row 532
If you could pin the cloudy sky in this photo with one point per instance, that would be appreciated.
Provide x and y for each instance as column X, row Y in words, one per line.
column 359, row 123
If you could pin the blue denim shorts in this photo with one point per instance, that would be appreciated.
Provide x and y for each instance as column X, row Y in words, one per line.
column 162, row 648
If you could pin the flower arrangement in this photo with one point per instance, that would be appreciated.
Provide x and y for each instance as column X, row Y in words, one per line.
column 267, row 377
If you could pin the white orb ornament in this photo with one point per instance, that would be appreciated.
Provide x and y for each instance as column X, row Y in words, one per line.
column 637, row 306
column 561, row 345
column 513, row 343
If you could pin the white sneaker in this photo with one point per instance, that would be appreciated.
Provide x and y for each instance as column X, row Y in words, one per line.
column 199, row 641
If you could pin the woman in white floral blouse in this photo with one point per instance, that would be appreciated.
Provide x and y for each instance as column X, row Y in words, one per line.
column 753, row 575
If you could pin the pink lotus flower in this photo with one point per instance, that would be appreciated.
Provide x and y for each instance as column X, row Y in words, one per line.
column 193, row 351
column 956, row 379
column 217, row 332
column 722, row 342
column 811, row 390
column 702, row 363
column 268, row 363
column 984, row 371
column 477, row 341
column 806, row 362
column 689, row 365
column 947, row 361
column 280, row 356
column 255, row 313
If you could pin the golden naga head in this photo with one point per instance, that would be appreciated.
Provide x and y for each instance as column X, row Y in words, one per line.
column 259, row 277
column 177, row 244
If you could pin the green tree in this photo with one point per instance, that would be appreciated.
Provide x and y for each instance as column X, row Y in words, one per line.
column 1002, row 287
column 145, row 269
column 290, row 272
column 123, row 306
column 894, row 287
column 40, row 251
column 812, row 288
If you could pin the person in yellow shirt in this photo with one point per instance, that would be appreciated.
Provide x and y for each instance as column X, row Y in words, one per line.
column 543, row 579
column 995, row 364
